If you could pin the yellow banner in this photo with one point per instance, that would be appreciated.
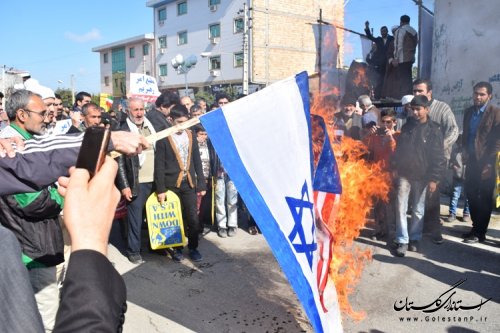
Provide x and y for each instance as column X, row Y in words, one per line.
column 106, row 101
column 165, row 222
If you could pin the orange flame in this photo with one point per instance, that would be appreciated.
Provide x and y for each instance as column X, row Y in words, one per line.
column 362, row 183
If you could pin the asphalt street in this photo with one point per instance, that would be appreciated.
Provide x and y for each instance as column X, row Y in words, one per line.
column 239, row 287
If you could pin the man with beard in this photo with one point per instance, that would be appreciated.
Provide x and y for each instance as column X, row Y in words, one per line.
column 135, row 177
column 481, row 140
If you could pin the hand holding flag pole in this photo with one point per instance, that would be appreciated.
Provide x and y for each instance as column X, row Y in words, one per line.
column 165, row 133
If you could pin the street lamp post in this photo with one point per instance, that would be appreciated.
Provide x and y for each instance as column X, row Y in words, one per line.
column 183, row 66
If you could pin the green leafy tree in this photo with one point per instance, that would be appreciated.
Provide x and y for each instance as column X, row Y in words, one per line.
column 205, row 95
column 96, row 99
column 414, row 72
column 66, row 96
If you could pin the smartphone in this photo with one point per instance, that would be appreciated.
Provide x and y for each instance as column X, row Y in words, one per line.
column 93, row 150
column 380, row 131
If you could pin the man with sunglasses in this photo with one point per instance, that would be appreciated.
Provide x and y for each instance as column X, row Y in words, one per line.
column 33, row 217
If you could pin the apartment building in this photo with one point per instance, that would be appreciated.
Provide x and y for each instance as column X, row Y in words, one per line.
column 211, row 30
column 119, row 59
column 282, row 40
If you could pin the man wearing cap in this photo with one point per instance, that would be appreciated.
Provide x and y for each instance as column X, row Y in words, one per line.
column 441, row 113
column 418, row 164
column 404, row 112
column 48, row 98
column 481, row 140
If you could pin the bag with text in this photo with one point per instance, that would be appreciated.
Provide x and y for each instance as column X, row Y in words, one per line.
column 165, row 222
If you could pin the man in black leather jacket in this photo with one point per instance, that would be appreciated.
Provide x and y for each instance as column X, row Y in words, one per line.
column 418, row 162
column 135, row 178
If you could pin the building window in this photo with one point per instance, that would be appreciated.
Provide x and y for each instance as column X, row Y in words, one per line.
column 163, row 70
column 105, row 58
column 214, row 30
column 238, row 25
column 162, row 14
column 213, row 2
column 106, row 81
column 214, row 62
column 182, row 8
column 182, row 38
column 162, row 42
column 145, row 49
column 148, row 73
column 131, row 52
column 238, row 59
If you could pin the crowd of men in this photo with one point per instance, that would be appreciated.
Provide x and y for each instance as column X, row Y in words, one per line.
column 391, row 59
column 184, row 163
column 416, row 144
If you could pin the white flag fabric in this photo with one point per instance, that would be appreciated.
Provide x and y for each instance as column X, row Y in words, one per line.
column 425, row 43
column 264, row 142
column 366, row 46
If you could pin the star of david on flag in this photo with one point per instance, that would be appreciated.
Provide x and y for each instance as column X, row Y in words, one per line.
column 264, row 142
column 298, row 207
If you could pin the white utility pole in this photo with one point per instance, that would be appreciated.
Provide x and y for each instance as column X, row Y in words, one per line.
column 72, row 80
column 245, row 49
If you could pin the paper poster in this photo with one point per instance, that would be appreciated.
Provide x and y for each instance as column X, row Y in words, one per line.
column 62, row 126
column 143, row 86
column 165, row 222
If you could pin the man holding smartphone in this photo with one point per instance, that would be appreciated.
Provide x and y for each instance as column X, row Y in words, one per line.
column 91, row 116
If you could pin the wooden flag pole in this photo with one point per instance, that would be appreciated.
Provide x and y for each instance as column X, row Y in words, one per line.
column 165, row 133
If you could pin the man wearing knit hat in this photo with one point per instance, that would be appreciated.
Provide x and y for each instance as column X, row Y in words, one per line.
column 418, row 163
column 48, row 98
column 404, row 112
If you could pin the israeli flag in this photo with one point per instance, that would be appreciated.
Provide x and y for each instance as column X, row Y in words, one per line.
column 264, row 143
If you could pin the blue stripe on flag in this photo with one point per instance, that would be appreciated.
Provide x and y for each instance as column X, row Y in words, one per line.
column 302, row 81
column 215, row 124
